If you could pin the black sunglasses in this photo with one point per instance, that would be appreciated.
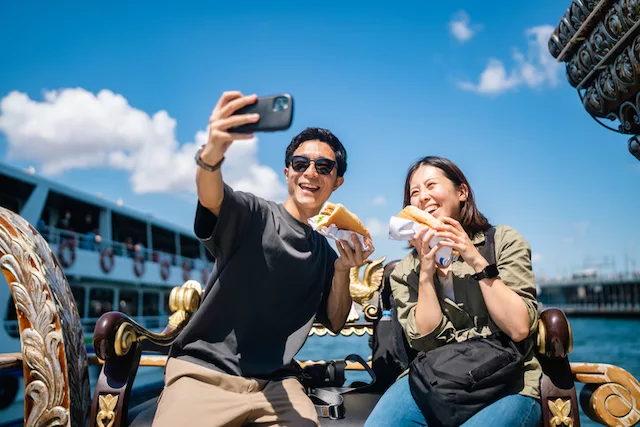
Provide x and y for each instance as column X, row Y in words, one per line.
column 323, row 166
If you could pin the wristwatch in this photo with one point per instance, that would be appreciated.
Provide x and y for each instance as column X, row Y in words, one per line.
column 205, row 166
column 489, row 272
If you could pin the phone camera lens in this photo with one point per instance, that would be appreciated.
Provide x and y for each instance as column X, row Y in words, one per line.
column 634, row 147
column 280, row 104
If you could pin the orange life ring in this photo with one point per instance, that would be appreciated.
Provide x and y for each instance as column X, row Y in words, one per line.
column 205, row 276
column 165, row 269
column 186, row 270
column 107, row 260
column 138, row 265
column 62, row 257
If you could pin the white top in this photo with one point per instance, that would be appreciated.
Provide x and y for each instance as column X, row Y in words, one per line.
column 447, row 285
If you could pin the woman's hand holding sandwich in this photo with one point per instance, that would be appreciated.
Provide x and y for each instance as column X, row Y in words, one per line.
column 455, row 237
column 427, row 255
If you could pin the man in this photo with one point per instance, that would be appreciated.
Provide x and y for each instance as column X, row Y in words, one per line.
column 232, row 365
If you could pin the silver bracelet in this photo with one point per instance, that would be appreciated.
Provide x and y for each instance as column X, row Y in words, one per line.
column 206, row 166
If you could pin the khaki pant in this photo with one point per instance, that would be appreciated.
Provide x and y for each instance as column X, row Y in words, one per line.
column 196, row 396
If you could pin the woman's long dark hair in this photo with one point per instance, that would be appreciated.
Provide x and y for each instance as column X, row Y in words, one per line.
column 471, row 219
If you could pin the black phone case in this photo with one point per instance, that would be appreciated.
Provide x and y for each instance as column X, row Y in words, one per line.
column 270, row 119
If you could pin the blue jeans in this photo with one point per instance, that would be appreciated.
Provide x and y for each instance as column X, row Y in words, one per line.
column 397, row 408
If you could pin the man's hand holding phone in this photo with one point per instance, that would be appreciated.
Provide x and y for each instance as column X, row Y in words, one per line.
column 222, row 119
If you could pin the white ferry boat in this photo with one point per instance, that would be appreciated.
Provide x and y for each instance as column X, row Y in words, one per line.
column 114, row 259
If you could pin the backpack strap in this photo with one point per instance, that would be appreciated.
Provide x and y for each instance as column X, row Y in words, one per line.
column 328, row 401
column 488, row 248
column 473, row 301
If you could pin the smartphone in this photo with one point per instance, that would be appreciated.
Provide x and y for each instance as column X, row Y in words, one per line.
column 276, row 113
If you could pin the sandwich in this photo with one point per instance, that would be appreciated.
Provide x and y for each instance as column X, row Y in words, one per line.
column 419, row 216
column 338, row 215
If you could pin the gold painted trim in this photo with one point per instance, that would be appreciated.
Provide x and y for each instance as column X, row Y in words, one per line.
column 542, row 337
column 107, row 412
column 357, row 330
column 560, row 409
column 125, row 337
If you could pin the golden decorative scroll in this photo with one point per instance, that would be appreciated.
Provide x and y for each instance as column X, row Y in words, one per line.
column 613, row 394
column 49, row 327
column 560, row 409
column 107, row 412
column 125, row 337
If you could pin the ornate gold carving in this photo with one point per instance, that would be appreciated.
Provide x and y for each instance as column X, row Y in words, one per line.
column 370, row 312
column 177, row 318
column 611, row 395
column 34, row 277
column 560, row 409
column 107, row 412
column 125, row 337
column 362, row 291
column 185, row 297
column 183, row 302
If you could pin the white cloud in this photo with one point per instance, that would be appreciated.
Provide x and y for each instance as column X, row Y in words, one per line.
column 533, row 70
column 460, row 27
column 73, row 128
column 376, row 227
column 536, row 257
column 580, row 226
column 379, row 201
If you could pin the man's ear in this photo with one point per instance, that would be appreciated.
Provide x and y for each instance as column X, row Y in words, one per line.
column 338, row 183
column 463, row 192
column 286, row 174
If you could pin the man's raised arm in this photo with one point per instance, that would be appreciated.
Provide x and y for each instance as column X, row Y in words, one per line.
column 208, row 176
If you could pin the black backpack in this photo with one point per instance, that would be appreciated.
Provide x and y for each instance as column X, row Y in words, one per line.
column 391, row 353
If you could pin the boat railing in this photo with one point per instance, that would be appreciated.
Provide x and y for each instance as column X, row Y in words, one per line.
column 612, row 278
column 149, row 322
column 96, row 243
column 12, row 328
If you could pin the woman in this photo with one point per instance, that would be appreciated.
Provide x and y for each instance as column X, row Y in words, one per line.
column 426, row 293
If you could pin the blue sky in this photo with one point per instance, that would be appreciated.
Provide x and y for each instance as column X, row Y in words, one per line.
column 134, row 86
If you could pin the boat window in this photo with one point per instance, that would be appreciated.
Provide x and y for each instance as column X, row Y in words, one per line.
column 72, row 214
column 129, row 302
column 14, row 193
column 150, row 305
column 189, row 247
column 78, row 295
column 164, row 244
column 131, row 232
column 100, row 302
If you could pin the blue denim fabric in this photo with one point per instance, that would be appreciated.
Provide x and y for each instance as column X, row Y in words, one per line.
column 397, row 408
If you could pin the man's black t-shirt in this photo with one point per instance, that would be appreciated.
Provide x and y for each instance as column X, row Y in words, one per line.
column 272, row 275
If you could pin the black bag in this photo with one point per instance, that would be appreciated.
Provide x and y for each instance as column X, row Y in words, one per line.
column 453, row 382
column 324, row 385
column 391, row 354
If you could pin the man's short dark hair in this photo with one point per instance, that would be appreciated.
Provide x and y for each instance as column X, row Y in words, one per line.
column 323, row 135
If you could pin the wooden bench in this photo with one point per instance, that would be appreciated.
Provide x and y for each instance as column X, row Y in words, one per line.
column 55, row 362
